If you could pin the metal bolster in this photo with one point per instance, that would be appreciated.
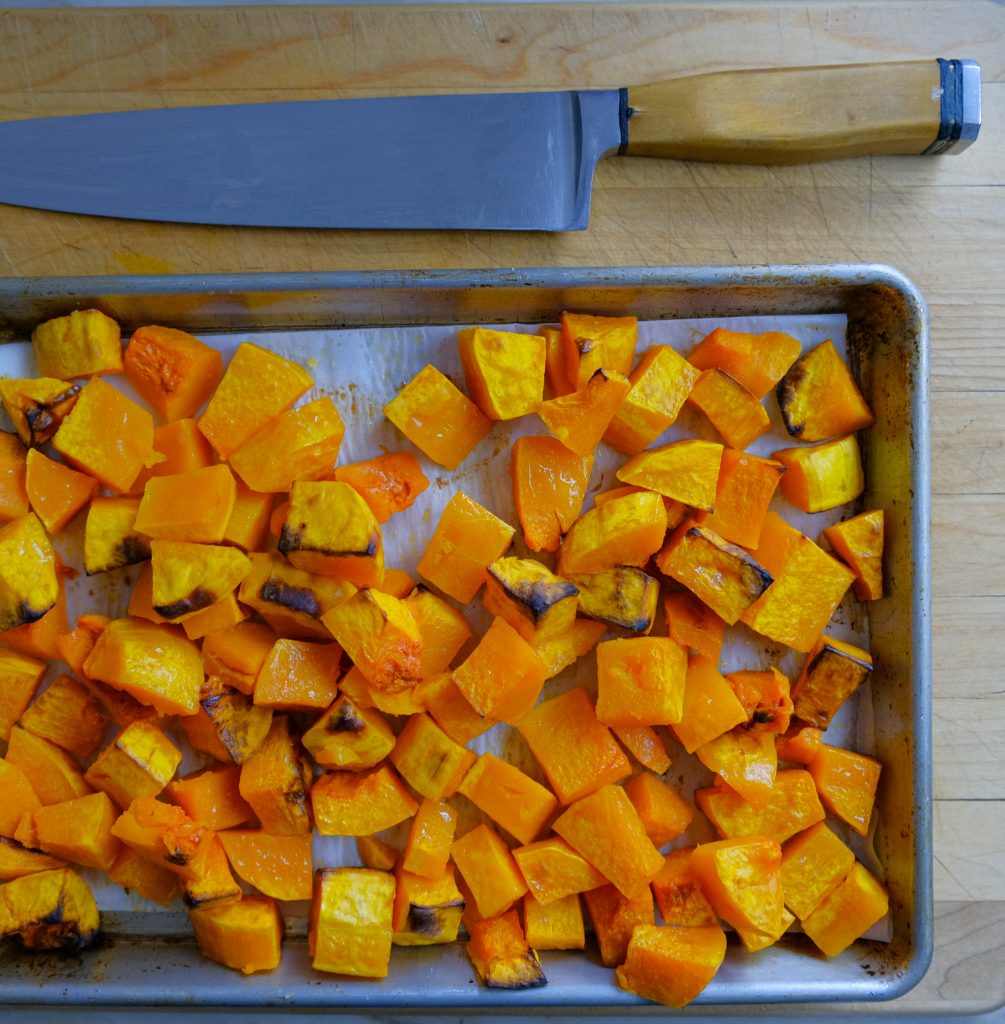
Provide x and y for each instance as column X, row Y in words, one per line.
column 960, row 106
column 624, row 113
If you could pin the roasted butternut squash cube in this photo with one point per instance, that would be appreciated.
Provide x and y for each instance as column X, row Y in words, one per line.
column 279, row 866
column 389, row 483
column 664, row 812
column 349, row 737
column 593, row 343
column 563, row 650
column 580, row 419
column 555, row 925
column 37, row 406
column 443, row 630
column 16, row 861
column 800, row 744
column 20, row 678
column 765, row 697
column 376, row 854
column 359, row 690
column 78, row 830
column 13, row 478
column 108, row 436
column 190, row 577
column 742, row 496
column 166, row 835
column 19, row 798
column 360, row 803
column 183, row 446
column 736, row 414
column 846, row 782
column 111, row 539
column 832, row 672
column 245, row 934
column 615, row 917
column 791, row 806
column 298, row 676
column 429, row 760
column 686, row 471
column 623, row 597
column 236, row 654
column 438, row 418
column 510, row 798
column 501, row 956
column 214, row 883
column 858, row 542
column 678, row 893
column 430, row 837
column 549, row 487
column 623, row 531
column 257, row 386
column 819, row 398
column 155, row 664
column 276, row 782
column 646, row 745
column 532, row 599
column 350, row 927
column 607, row 830
column 758, row 361
column 140, row 761
column 822, row 476
column 233, row 725
column 848, row 912
column 450, row 709
column 82, row 344
column 555, row 378
column 427, row 911
column 640, row 681
column 693, row 624
column 248, row 525
column 49, row 910
column 746, row 761
column 212, row 796
column 488, row 868
column 56, row 492
column 659, row 385
column 29, row 584
column 147, row 879
column 503, row 370
column 672, row 965
column 553, row 870
column 52, row 773
column 223, row 614
column 814, row 863
column 194, row 506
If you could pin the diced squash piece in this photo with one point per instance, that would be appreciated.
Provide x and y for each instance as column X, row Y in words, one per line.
column 858, row 542
column 665, row 814
column 18, row 798
column 53, row 774
column 725, row 577
column 364, row 694
column 166, row 835
column 16, row 861
column 279, row 866
column 245, row 935
column 488, row 868
column 37, row 406
column 693, row 624
column 623, row 597
column 223, row 614
column 736, row 414
column 111, row 539
column 56, row 492
column 360, row 803
column 607, row 830
column 754, row 941
column 194, row 506
column 427, row 910
column 555, row 378
column 819, row 398
column 593, row 343
column 29, row 584
column 832, row 672
column 744, row 492
column 429, row 760
column 78, row 830
column 560, row 652
column 108, row 436
column 646, row 746
column 82, row 344
column 248, row 525
column 38, row 639
column 49, row 910
column 350, row 926
column 349, row 737
column 501, row 955
column 140, row 761
column 213, row 796
column 758, row 361
column 580, row 419
column 800, row 744
column 190, row 577
column 553, row 870
column 276, row 782
column 533, row 600
column 846, row 782
column 765, row 698
column 443, row 630
column 848, row 912
column 214, row 885
column 745, row 760
column 75, row 645
column 232, row 727
column 437, row 418
column 814, row 863
column 510, row 798
column 236, row 654
column 257, row 386
column 741, row 878
column 660, row 383
column 68, row 715
column 430, row 837
column 640, row 681
column 503, row 676
column 174, row 371
column 451, row 710
column 823, row 476
column 615, row 917
column 549, row 487
column 376, row 854
column 503, row 370
column 290, row 600
column 623, row 531
column 791, row 806
column 298, row 676
column 144, row 877
column 155, row 664
column 379, row 634
column 389, row 483
column 20, row 678
column 397, row 582
column 672, row 965
column 183, row 446
column 555, row 925
column 13, row 478
column 577, row 753
column 678, row 893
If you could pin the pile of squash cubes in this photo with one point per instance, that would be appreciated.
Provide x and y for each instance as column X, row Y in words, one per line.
column 265, row 632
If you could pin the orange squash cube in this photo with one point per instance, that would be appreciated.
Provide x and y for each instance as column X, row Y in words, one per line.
column 580, row 419
column 248, row 525
column 814, row 863
column 37, row 406
column 194, row 506
column 212, row 796
column 360, row 803
column 467, row 539
column 349, row 737
column 576, row 752
column 52, row 773
column 221, row 615
column 430, row 837
column 678, row 894
column 848, row 912
column 429, row 760
column 350, row 927
column 82, row 344
column 279, row 866
column 443, row 629
column 858, row 542
column 742, row 496
column 672, row 965
column 245, row 934
column 640, row 681
column 622, row 531
column 389, row 483
column 765, row 697
column 832, row 672
column 554, row 871
column 746, row 761
column 556, row 925
column 140, row 761
column 144, row 877
column 693, row 624
column 561, row 651
column 450, row 709
column 800, row 744
column 427, row 911
column 437, row 418
column 615, row 917
column 736, row 414
column 489, row 870
column 686, row 471
column 69, row 715
column 374, row 853
column 646, row 746
column 20, row 678
column 166, row 835
column 236, row 654
column 78, row 830
column 503, row 370
column 593, row 343
column 13, row 478
column 19, row 798
column 298, row 676
column 56, row 492
column 276, row 782
column 501, row 956
column 822, row 476
column 758, row 361
column 183, row 446
column 846, row 782
column 510, row 798
column 665, row 814
column 555, row 378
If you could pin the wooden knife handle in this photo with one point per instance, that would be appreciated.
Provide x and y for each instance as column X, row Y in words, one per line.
column 798, row 115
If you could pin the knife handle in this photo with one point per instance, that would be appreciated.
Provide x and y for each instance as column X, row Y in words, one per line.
column 800, row 115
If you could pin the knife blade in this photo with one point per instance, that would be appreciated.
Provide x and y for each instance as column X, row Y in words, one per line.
column 502, row 161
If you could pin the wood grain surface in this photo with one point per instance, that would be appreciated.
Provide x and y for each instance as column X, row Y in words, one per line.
column 940, row 220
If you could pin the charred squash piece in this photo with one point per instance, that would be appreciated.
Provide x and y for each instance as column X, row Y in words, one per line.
column 111, row 539
column 190, row 577
column 276, row 782
column 349, row 737
column 533, row 600
column 140, row 761
column 832, row 672
column 622, row 596
column 37, row 406
column 214, row 884
column 29, row 584
column 238, row 725
column 765, row 697
column 427, row 911
column 16, row 861
column 501, row 956
column 50, row 910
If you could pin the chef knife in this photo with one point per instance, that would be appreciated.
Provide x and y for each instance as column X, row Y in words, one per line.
column 517, row 161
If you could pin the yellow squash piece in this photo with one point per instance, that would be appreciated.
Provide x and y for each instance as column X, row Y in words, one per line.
column 189, row 577
column 832, row 672
column 858, row 542
column 165, row 835
column 194, row 506
column 580, row 419
column 427, row 911
column 593, row 343
column 686, row 471
column 351, row 915
column 20, row 677
column 349, row 737
column 501, row 955
column 85, row 343
column 622, row 531
column 504, row 371
column 37, row 406
column 29, row 586
column 848, row 912
column 68, row 714
column 49, row 910
column 538, row 604
column 276, row 781
column 111, row 539
column 822, row 476
column 140, row 761
column 622, row 596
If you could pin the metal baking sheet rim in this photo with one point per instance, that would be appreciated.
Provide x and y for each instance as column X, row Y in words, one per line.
column 171, row 973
